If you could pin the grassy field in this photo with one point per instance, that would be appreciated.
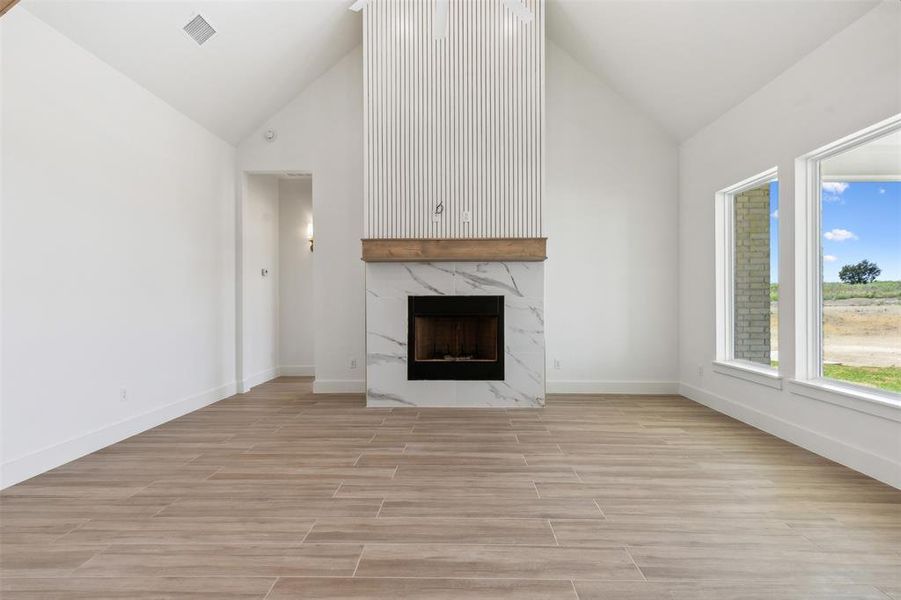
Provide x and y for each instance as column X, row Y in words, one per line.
column 886, row 378
column 835, row 290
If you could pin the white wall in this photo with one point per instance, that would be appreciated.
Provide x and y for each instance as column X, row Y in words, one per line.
column 610, row 209
column 260, row 306
column 117, row 255
column 321, row 132
column 610, row 214
column 296, row 334
column 850, row 82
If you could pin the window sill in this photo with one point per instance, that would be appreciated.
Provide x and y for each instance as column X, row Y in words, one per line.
column 749, row 372
column 872, row 402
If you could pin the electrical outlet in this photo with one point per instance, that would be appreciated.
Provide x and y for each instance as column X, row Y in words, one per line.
column 467, row 216
column 556, row 364
column 123, row 395
column 353, row 363
column 700, row 370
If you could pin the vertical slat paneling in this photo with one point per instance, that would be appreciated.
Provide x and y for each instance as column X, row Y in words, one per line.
column 455, row 122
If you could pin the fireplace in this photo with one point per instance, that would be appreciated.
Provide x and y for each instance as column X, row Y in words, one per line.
column 455, row 338
column 456, row 334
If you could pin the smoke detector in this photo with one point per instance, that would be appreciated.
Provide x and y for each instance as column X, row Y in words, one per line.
column 199, row 29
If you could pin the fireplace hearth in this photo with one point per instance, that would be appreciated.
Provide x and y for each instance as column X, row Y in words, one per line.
column 456, row 338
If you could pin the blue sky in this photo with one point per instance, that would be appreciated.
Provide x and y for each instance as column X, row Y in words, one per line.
column 861, row 220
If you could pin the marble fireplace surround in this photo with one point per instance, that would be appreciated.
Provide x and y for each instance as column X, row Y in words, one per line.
column 388, row 285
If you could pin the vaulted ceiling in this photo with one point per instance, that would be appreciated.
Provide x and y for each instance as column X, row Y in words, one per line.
column 683, row 62
column 263, row 54
column 686, row 62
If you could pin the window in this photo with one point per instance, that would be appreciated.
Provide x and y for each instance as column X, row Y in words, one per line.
column 851, row 326
column 748, row 268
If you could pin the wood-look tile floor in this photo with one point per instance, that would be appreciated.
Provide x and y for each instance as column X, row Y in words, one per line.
column 282, row 494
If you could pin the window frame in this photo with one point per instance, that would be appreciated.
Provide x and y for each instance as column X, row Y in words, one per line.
column 725, row 362
column 809, row 270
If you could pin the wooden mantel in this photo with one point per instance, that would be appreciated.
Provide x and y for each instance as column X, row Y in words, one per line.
column 459, row 250
column 5, row 5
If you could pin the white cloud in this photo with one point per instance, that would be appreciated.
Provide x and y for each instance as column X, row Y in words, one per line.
column 829, row 258
column 839, row 235
column 775, row 214
column 834, row 187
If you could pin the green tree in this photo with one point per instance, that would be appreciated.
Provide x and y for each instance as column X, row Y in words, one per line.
column 862, row 272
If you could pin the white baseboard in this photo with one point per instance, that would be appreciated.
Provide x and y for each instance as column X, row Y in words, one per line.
column 875, row 466
column 612, row 387
column 256, row 379
column 338, row 386
column 297, row 370
column 25, row 467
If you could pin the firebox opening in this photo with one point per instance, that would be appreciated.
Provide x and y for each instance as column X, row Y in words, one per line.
column 456, row 337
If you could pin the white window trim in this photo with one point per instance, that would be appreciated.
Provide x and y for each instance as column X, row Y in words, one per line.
column 724, row 210
column 809, row 380
column 749, row 371
column 858, row 398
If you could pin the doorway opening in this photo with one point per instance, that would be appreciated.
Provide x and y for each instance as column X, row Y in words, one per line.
column 275, row 277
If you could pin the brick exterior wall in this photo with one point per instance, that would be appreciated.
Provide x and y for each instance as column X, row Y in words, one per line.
column 752, row 275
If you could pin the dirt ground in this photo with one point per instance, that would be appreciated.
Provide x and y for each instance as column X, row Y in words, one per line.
column 859, row 332
column 863, row 333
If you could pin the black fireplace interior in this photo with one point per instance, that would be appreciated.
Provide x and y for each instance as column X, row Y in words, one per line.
column 456, row 338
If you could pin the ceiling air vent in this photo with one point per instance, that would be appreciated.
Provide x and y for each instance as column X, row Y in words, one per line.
column 199, row 30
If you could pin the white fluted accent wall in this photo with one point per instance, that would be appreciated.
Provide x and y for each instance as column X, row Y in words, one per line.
column 454, row 123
